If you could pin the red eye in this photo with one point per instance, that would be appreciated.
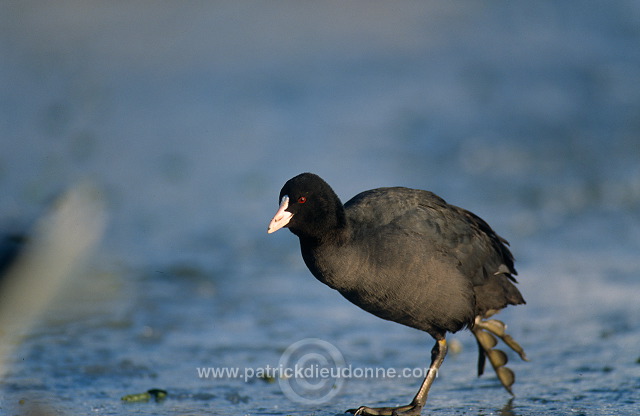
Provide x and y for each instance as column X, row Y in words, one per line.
column 302, row 200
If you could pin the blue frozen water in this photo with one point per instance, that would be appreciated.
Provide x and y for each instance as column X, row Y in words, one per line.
column 191, row 117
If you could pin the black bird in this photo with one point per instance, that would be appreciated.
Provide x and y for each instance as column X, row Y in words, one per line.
column 407, row 256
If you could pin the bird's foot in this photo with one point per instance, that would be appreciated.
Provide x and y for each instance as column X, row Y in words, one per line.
column 498, row 328
column 408, row 410
column 486, row 332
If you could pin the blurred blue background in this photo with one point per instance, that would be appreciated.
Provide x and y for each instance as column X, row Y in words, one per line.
column 189, row 117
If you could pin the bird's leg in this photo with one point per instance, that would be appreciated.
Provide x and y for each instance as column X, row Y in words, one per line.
column 484, row 331
column 438, row 353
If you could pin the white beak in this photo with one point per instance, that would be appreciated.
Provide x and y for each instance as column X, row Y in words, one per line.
column 282, row 216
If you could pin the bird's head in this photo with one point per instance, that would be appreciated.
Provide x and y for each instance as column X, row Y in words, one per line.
column 308, row 207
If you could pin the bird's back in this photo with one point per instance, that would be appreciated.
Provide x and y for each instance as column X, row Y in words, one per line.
column 444, row 263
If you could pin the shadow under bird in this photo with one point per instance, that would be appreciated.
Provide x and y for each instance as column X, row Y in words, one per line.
column 407, row 256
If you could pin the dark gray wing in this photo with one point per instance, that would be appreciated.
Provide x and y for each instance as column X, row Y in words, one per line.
column 457, row 233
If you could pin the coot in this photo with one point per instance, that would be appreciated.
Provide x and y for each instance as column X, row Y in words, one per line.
column 407, row 256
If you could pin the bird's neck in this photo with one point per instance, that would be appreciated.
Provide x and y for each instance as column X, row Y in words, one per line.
column 330, row 226
column 324, row 258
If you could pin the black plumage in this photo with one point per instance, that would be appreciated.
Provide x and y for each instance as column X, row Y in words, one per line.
column 407, row 256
